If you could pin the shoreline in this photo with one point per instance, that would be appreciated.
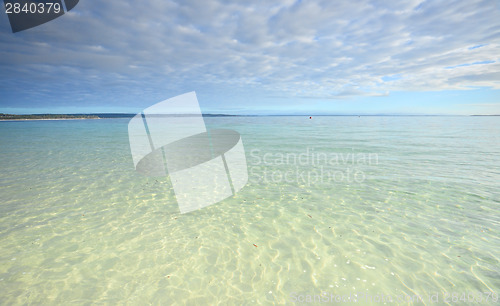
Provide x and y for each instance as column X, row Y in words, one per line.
column 211, row 115
column 49, row 119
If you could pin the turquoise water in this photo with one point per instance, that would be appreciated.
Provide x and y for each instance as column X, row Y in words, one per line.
column 397, row 207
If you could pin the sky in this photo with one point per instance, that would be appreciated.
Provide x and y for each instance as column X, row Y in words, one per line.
column 258, row 57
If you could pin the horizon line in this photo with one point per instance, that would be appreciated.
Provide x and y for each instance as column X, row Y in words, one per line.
column 126, row 115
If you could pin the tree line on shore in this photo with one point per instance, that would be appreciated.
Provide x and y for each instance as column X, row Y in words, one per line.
column 46, row 116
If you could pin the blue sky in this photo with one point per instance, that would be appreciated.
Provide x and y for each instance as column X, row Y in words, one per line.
column 258, row 57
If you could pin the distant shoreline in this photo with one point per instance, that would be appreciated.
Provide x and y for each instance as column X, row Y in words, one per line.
column 12, row 117
column 51, row 117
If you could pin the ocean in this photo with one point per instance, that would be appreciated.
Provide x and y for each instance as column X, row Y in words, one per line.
column 370, row 209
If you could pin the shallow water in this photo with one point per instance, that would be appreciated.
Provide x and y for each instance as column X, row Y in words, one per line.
column 382, row 207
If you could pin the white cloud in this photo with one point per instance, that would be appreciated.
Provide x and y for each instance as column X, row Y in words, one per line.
column 318, row 49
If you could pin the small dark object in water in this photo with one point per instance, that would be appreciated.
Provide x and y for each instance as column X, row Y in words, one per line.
column 255, row 245
column 309, row 216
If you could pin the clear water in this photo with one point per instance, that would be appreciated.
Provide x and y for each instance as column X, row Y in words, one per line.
column 392, row 206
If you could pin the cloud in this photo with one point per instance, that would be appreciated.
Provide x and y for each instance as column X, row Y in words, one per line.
column 120, row 51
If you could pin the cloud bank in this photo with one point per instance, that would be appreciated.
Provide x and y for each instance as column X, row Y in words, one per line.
column 116, row 52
